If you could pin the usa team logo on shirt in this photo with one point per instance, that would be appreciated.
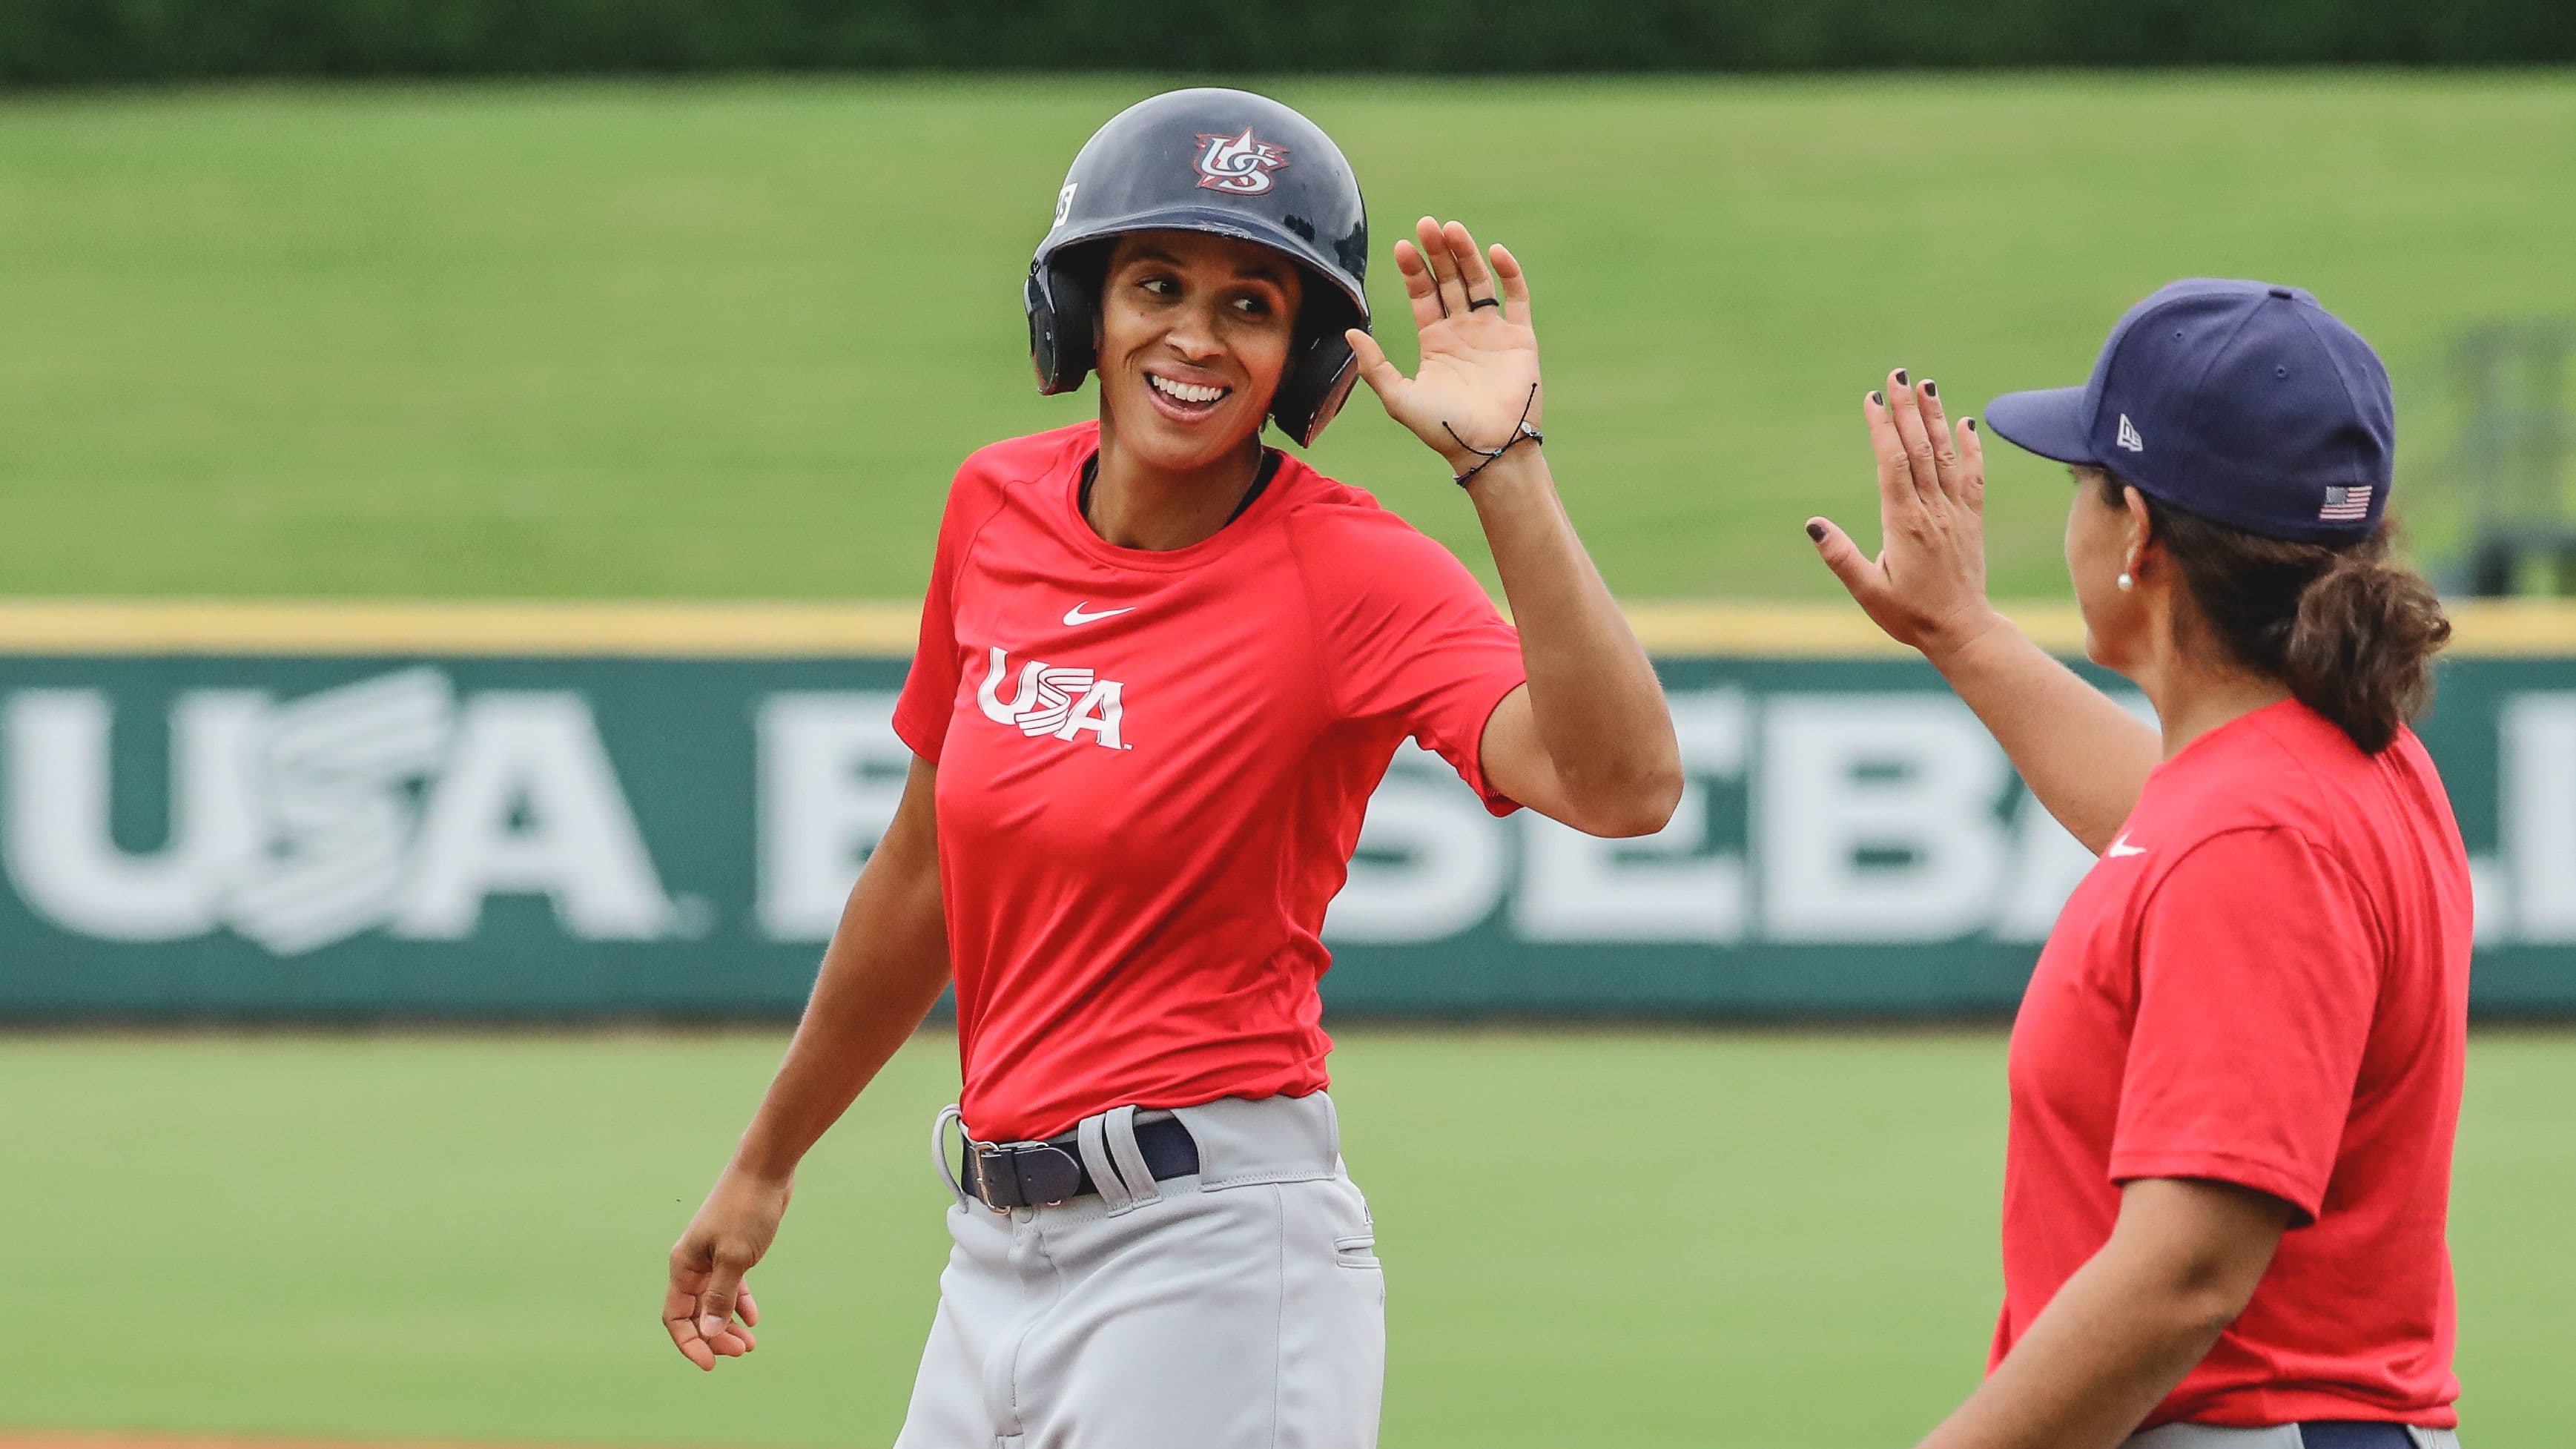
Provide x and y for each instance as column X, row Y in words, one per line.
column 1239, row 165
column 2346, row 505
column 1052, row 699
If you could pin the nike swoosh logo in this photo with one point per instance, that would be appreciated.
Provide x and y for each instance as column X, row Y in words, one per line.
column 1075, row 615
column 2122, row 847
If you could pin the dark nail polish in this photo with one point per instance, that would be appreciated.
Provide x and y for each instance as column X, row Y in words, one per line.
column 1931, row 389
column 1816, row 531
column 1875, row 398
column 1901, row 378
column 1972, row 425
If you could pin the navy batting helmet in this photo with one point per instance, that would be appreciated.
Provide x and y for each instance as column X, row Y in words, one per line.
column 1221, row 161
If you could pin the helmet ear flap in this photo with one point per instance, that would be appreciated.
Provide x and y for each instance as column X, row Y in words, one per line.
column 1318, row 379
column 1062, row 313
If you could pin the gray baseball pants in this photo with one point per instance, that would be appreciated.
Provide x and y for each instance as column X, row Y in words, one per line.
column 1239, row 1308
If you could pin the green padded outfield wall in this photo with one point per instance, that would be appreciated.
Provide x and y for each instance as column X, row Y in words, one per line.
column 480, row 837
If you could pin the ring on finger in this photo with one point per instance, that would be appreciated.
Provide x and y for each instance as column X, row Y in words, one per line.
column 1475, row 302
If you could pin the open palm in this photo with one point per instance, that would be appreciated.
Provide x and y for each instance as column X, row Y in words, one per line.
column 1479, row 375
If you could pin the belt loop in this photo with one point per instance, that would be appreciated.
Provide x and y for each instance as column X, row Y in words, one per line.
column 1120, row 1125
column 939, row 1149
column 1092, row 1139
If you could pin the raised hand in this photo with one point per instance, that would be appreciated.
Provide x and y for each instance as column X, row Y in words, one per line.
column 1927, row 587
column 1478, row 380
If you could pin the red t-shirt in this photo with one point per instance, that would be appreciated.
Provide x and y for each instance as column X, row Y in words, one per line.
column 2264, row 981
column 1153, row 767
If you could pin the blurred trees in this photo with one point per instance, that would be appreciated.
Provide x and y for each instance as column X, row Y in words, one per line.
column 59, row 42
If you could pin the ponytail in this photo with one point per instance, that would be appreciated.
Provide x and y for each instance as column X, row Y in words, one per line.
column 2360, row 651
column 2351, row 633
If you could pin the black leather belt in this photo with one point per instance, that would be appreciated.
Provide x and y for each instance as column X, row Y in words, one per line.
column 2354, row 1434
column 1007, row 1175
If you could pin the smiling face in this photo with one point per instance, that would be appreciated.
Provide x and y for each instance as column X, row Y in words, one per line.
column 1194, row 336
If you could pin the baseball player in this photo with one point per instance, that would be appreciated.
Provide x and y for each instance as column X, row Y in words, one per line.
column 1161, row 668
column 2235, row 1076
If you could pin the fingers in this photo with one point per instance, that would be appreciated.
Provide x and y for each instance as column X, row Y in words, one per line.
column 1857, row 570
column 1472, row 272
column 698, row 1309
column 715, row 1302
column 1895, row 472
column 717, row 1330
column 1949, row 469
column 1420, row 288
column 1444, row 266
column 1972, row 465
column 1382, row 376
column 1445, row 274
column 1905, row 411
column 1515, row 282
column 680, row 1319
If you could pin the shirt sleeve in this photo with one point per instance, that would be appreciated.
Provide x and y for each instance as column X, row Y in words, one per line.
column 1411, row 637
column 929, row 698
column 2258, row 976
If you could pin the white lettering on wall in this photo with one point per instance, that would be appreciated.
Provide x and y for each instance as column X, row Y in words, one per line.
column 2537, row 812
column 1664, row 887
column 61, row 856
column 304, row 823
column 528, row 805
column 391, row 802
column 1875, row 819
column 2043, row 868
column 831, row 774
column 1449, row 860
column 337, row 775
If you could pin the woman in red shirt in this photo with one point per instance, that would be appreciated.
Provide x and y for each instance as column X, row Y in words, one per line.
column 1161, row 669
column 2236, row 1072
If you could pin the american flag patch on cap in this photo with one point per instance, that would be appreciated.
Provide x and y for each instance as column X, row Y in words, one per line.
column 2344, row 505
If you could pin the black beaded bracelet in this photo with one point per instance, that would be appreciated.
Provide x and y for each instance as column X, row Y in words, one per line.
column 1522, row 432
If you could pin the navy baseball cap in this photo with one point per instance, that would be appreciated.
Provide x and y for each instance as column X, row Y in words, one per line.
column 2245, row 403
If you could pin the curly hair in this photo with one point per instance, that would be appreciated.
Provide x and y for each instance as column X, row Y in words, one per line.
column 2349, row 631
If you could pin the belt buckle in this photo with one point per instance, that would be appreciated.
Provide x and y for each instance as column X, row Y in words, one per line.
column 983, row 1158
column 1042, row 1174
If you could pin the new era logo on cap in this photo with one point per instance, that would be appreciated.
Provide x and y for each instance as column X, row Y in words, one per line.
column 2129, row 438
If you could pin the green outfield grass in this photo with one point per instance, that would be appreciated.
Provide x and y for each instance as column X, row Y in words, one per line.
column 1720, row 1239
column 729, row 339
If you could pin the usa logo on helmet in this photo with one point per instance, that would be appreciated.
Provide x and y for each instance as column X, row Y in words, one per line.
column 1238, row 165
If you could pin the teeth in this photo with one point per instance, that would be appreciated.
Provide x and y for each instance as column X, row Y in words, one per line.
column 1185, row 392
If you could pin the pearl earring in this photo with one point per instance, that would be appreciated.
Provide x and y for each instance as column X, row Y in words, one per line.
column 2126, row 583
